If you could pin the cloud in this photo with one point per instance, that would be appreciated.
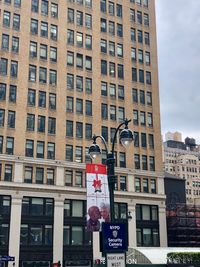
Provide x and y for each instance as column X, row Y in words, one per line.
column 178, row 34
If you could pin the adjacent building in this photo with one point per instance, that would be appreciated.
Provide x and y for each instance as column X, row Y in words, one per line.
column 69, row 69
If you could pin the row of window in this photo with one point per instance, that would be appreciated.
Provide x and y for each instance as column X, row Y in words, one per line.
column 17, row 3
column 75, row 37
column 112, row 9
column 112, row 69
column 46, row 8
column 112, row 90
column 42, row 50
column 139, row 96
column 114, row 114
column 79, row 60
column 41, row 124
column 86, row 3
column 111, row 28
column 41, row 99
column 140, row 56
column 144, row 162
column 12, row 92
column 79, row 17
column 5, row 43
column 141, row 36
column 140, row 139
column 145, row 185
column 141, row 18
column 79, row 130
column 141, row 76
column 10, row 118
column 13, row 66
column 142, row 118
column 46, row 30
column 140, row 2
column 15, row 20
column 42, row 75
column 79, row 83
column 112, row 48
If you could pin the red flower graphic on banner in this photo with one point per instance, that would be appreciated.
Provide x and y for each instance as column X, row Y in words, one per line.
column 97, row 184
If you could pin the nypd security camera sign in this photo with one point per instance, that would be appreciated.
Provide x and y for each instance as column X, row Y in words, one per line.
column 114, row 237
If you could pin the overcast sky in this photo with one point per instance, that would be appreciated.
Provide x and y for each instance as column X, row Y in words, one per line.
column 178, row 35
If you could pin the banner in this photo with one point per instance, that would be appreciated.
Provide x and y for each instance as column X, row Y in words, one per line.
column 98, row 200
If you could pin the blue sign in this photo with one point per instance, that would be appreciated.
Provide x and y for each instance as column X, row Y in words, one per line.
column 114, row 237
column 7, row 258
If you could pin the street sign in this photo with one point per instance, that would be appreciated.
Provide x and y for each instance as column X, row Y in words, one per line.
column 7, row 258
column 114, row 237
column 116, row 260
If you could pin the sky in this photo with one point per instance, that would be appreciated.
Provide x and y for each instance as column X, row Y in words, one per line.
column 178, row 41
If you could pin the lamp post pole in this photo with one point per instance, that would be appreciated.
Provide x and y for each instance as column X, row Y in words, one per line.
column 126, row 137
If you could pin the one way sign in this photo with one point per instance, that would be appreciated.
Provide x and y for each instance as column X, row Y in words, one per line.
column 7, row 258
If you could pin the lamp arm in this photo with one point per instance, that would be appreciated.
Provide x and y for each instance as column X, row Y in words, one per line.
column 104, row 141
column 125, row 122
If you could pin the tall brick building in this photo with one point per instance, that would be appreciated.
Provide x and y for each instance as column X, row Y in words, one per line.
column 69, row 69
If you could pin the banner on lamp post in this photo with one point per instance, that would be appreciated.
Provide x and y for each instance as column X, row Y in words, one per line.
column 98, row 199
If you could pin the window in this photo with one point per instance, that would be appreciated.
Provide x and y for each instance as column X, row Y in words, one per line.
column 68, row 178
column 119, row 30
column 42, row 75
column 79, row 39
column 88, row 21
column 123, row 185
column 120, row 50
column 111, row 48
column 32, row 73
column 88, row 42
column 11, row 119
column 88, row 63
column 141, row 76
column 139, row 17
column 121, row 114
column 28, row 174
column 88, row 108
column 103, row 25
column 33, row 49
column 54, row 32
column 145, row 3
column 121, row 92
column 78, row 181
column 146, row 19
column 53, row 54
column 39, row 177
column 44, row 7
column 43, row 51
column 103, row 6
column 35, row 5
column 79, row 130
column 41, row 124
column 8, row 172
column 122, row 160
column 153, row 186
column 51, row 125
column 151, row 163
column 104, row 133
column 13, row 69
column 142, row 97
column 79, row 18
column 69, row 153
column 140, row 36
column 1, row 148
column 31, row 97
column 79, row 83
column 79, row 154
column 103, row 88
column 150, row 119
column 79, row 106
column 51, row 151
column 133, row 35
column 34, row 26
column 70, row 81
column 111, row 8
column 148, row 77
column 149, row 98
column 54, row 10
column 69, row 128
column 136, row 139
column 70, row 104
column 88, row 85
column 132, row 15
column 3, row 66
column 104, row 111
column 142, row 118
column 104, row 67
column 88, row 131
column 15, row 44
column 134, row 74
column 135, row 95
column 143, row 140
column 144, row 162
column 137, row 161
column 151, row 141
column 52, row 101
column 2, row 91
column 29, row 149
column 135, row 117
column 9, row 145
column 44, row 29
column 137, row 185
column 40, row 149
column 119, row 10
column 6, row 19
column 70, row 15
column 5, row 42
column 52, row 77
column 16, row 22
column 112, row 69
column 146, row 38
column 30, row 122
column 120, row 211
column 111, row 28
column 70, row 58
column 42, row 99
column 50, row 176
column 120, row 71
column 113, row 112
column 112, row 89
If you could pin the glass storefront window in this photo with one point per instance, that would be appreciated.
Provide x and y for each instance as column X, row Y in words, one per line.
column 77, row 235
column 36, row 235
column 66, row 235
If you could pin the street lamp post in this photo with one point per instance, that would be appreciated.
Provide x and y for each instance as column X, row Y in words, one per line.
column 126, row 137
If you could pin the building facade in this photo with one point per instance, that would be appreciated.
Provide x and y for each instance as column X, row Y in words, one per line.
column 69, row 69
